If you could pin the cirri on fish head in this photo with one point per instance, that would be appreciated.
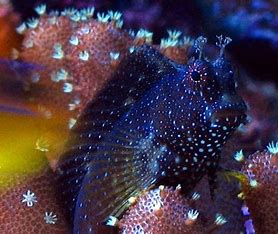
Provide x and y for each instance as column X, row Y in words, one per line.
column 156, row 122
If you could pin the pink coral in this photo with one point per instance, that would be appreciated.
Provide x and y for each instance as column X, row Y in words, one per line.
column 260, row 188
column 166, row 210
column 32, row 206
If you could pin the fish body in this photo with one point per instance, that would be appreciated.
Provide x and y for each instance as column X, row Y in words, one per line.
column 157, row 122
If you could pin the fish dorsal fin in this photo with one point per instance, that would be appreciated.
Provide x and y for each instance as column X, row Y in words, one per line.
column 137, row 73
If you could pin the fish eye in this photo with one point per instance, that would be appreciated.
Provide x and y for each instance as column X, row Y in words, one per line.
column 195, row 75
column 198, row 71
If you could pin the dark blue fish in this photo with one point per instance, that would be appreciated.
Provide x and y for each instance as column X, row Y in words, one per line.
column 156, row 122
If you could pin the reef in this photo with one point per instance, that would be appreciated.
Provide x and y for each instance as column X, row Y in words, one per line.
column 70, row 57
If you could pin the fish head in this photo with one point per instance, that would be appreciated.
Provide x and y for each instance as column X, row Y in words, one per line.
column 212, row 92
column 209, row 95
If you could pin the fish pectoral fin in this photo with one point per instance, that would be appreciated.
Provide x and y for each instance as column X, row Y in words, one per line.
column 116, row 174
column 104, row 197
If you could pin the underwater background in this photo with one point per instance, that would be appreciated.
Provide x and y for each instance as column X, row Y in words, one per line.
column 61, row 69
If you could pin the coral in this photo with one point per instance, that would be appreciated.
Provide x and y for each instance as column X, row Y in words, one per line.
column 31, row 206
column 259, row 188
column 166, row 210
column 251, row 24
column 78, row 56
column 155, row 15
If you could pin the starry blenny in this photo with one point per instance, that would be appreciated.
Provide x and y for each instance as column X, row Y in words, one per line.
column 156, row 122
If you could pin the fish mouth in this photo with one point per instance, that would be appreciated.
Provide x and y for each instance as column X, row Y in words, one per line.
column 229, row 116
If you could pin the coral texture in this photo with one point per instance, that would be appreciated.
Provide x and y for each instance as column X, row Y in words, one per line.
column 260, row 188
column 31, row 206
column 163, row 210
column 78, row 56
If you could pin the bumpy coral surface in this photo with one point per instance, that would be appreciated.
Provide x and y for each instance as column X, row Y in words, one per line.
column 161, row 211
column 78, row 54
column 31, row 206
column 165, row 210
column 260, row 188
